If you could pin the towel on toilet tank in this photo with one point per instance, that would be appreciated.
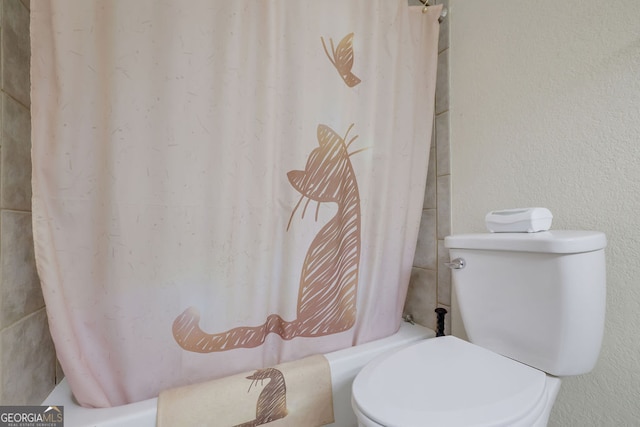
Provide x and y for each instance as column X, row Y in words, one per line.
column 291, row 394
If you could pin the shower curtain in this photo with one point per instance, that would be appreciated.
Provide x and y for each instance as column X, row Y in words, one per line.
column 220, row 186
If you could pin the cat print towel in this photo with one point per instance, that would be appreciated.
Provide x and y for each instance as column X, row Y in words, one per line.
column 292, row 394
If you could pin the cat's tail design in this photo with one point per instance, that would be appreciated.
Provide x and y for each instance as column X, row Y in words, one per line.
column 191, row 337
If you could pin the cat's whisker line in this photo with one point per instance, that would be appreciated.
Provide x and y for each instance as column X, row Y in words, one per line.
column 294, row 211
column 305, row 208
column 352, row 139
column 347, row 133
column 358, row 151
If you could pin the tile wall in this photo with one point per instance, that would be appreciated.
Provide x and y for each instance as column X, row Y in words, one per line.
column 27, row 356
column 430, row 285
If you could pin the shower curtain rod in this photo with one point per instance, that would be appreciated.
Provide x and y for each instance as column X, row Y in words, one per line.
column 443, row 14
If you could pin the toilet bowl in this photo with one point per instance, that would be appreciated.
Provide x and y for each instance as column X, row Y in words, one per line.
column 533, row 306
column 449, row 382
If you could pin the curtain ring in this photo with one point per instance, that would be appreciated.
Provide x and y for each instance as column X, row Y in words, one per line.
column 443, row 14
column 426, row 5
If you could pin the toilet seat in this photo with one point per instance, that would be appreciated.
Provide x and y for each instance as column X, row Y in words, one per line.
column 448, row 382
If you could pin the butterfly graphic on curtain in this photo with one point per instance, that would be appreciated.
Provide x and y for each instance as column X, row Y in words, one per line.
column 342, row 58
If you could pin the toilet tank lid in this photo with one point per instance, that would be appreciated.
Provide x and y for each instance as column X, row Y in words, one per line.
column 554, row 241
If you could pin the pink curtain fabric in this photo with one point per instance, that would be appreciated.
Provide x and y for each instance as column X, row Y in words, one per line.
column 220, row 186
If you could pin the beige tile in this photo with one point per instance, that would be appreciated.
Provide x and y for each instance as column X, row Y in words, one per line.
column 15, row 178
column 430, row 189
column 59, row 372
column 20, row 292
column 426, row 255
column 443, row 161
column 15, row 50
column 27, row 361
column 421, row 297
column 442, row 82
column 443, row 189
column 444, row 275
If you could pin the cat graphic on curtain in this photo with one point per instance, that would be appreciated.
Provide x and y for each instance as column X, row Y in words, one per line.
column 329, row 277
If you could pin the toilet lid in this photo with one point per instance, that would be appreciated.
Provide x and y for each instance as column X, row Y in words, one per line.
column 447, row 381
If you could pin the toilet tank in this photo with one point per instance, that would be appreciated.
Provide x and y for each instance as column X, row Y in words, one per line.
column 538, row 298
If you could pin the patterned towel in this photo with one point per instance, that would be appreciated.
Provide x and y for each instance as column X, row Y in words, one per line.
column 291, row 394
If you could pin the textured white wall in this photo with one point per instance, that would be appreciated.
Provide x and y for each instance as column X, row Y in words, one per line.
column 545, row 111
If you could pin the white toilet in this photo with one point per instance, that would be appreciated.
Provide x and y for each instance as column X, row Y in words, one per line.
column 533, row 307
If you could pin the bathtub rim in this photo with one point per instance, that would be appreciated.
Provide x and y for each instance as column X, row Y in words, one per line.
column 344, row 363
